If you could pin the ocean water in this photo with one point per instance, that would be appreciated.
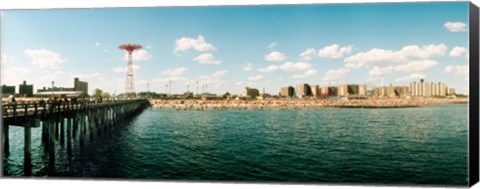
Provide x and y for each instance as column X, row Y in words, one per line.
column 425, row 145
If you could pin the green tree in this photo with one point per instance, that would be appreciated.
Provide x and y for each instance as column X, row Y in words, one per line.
column 97, row 93
column 226, row 95
column 105, row 95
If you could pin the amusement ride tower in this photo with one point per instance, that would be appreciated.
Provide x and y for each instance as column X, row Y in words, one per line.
column 129, row 85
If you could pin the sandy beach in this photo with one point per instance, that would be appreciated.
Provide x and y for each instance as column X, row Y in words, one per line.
column 198, row 104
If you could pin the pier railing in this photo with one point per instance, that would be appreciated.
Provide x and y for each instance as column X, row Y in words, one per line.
column 27, row 109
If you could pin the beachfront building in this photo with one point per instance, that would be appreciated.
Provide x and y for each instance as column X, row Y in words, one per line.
column 426, row 89
column 303, row 90
column 315, row 90
column 330, row 91
column 288, row 92
column 80, row 88
column 8, row 90
column 450, row 91
column 352, row 89
column 391, row 91
column 342, row 90
column 250, row 92
column 25, row 90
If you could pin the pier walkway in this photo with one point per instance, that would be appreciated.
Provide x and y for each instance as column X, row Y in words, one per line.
column 20, row 112
column 64, row 123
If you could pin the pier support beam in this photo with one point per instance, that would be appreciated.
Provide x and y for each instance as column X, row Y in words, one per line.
column 6, row 143
column 27, row 147
column 44, row 133
column 69, row 143
column 51, row 148
column 82, row 131
column 62, row 131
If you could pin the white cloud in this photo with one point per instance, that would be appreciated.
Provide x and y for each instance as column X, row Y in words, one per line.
column 175, row 72
column 335, row 74
column 255, row 78
column 294, row 66
column 272, row 45
column 307, row 54
column 413, row 76
column 275, row 56
column 334, row 51
column 44, row 58
column 247, row 67
column 165, row 80
column 149, row 47
column 124, row 69
column 207, row 58
column 214, row 79
column 383, row 57
column 198, row 44
column 239, row 83
column 219, row 74
column 138, row 55
column 97, row 44
column 413, row 66
column 3, row 58
column 11, row 74
column 459, row 52
column 426, row 51
column 455, row 26
column 287, row 66
column 462, row 71
column 308, row 73
column 270, row 68
column 105, row 50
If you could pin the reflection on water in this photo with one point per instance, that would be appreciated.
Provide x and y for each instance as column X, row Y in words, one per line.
column 426, row 145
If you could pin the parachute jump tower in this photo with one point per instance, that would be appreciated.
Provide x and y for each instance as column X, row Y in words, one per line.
column 129, row 85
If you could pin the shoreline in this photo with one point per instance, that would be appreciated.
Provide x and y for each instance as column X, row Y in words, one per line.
column 296, row 104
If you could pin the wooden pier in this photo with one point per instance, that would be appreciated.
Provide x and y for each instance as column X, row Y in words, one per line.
column 59, row 119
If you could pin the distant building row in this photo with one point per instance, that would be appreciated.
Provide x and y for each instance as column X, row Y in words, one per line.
column 305, row 90
column 416, row 89
column 24, row 90
column 80, row 88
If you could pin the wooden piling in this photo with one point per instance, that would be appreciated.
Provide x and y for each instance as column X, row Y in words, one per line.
column 6, row 140
column 82, row 130
column 62, row 131
column 27, row 160
column 69, row 143
column 51, row 149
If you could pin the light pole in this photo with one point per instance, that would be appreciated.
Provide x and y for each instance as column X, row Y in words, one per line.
column 148, row 91
column 53, row 82
column 166, row 89
column 197, row 88
column 170, row 87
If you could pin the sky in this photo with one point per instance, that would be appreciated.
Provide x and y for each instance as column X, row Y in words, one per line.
column 228, row 48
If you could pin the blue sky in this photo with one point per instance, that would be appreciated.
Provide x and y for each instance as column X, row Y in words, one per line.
column 228, row 48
